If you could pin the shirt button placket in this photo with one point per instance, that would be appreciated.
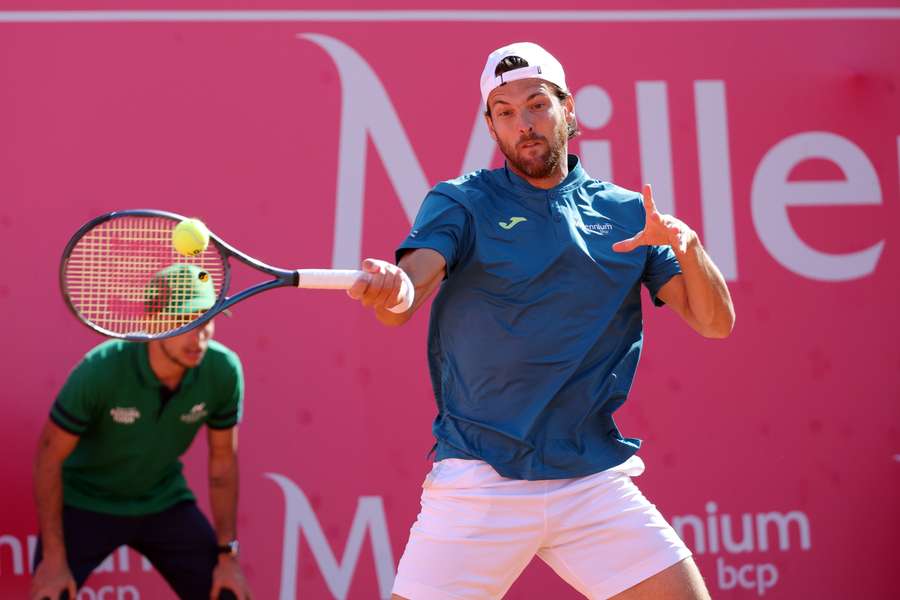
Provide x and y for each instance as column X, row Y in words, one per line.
column 554, row 206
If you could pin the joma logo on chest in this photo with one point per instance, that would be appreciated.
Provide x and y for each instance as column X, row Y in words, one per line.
column 513, row 221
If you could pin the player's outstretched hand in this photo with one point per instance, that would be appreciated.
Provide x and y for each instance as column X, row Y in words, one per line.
column 52, row 581
column 228, row 577
column 382, row 285
column 659, row 230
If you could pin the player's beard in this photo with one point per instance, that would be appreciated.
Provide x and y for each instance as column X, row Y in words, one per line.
column 544, row 164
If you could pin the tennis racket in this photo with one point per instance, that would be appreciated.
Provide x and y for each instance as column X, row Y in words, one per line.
column 122, row 277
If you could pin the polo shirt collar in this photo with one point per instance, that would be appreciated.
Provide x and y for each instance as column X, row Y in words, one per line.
column 148, row 377
column 574, row 179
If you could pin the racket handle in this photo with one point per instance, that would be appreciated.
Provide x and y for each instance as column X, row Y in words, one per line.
column 327, row 279
column 343, row 279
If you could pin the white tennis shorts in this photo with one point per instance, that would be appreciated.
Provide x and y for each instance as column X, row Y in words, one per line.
column 477, row 531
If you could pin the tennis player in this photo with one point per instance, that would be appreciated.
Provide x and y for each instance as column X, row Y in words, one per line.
column 533, row 343
column 108, row 473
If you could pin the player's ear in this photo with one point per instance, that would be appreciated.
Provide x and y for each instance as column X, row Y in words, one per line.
column 490, row 125
column 569, row 108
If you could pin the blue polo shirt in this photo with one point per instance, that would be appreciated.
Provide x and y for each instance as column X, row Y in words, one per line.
column 536, row 332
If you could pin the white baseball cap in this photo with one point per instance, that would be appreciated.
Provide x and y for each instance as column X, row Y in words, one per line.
column 541, row 65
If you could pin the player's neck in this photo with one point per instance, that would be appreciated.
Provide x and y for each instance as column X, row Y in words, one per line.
column 167, row 369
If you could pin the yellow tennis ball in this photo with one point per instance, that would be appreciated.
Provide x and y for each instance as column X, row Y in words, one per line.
column 190, row 237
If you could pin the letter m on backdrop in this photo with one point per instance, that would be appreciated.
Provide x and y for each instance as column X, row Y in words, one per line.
column 366, row 111
column 299, row 516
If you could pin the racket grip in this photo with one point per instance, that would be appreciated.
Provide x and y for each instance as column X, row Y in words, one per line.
column 343, row 279
column 327, row 279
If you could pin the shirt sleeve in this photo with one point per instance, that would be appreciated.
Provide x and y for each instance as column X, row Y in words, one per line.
column 76, row 403
column 660, row 267
column 230, row 411
column 442, row 225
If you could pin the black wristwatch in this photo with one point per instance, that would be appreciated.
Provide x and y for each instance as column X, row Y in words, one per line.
column 230, row 548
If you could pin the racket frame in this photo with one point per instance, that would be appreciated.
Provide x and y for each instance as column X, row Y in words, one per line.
column 282, row 277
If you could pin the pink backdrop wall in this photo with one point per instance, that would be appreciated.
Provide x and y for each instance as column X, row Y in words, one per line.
column 309, row 139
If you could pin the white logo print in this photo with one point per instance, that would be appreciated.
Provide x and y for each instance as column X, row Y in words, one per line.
column 601, row 228
column 125, row 415
column 758, row 535
column 197, row 412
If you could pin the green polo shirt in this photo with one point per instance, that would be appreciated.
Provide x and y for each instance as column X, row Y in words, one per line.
column 130, row 437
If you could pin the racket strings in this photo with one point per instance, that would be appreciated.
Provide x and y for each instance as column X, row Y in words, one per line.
column 125, row 276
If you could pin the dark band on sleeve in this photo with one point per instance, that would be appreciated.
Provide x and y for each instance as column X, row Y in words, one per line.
column 62, row 411
column 225, row 420
column 224, row 416
column 64, row 426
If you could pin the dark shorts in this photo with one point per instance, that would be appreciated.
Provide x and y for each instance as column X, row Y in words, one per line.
column 179, row 541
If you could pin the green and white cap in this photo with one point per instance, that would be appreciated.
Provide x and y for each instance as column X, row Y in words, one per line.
column 180, row 289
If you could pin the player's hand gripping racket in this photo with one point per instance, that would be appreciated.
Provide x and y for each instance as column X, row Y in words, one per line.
column 121, row 276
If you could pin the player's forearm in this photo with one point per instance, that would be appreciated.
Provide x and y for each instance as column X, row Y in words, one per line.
column 223, row 496
column 708, row 297
column 49, row 500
